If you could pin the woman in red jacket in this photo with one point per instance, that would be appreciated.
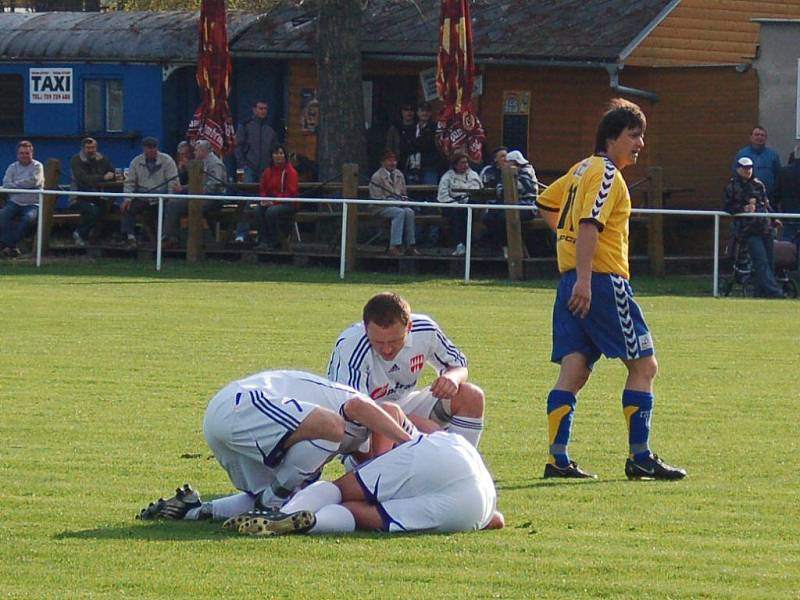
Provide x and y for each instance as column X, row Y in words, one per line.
column 277, row 181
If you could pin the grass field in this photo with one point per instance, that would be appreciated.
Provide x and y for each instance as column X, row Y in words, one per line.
column 107, row 368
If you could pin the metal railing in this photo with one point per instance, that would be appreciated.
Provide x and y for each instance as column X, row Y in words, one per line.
column 346, row 202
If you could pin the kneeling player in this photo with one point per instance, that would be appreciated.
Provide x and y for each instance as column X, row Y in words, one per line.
column 438, row 482
column 273, row 432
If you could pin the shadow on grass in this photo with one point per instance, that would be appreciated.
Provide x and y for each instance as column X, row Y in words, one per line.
column 126, row 272
column 547, row 483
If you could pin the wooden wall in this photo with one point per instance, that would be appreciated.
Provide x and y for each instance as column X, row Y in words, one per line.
column 703, row 117
column 707, row 32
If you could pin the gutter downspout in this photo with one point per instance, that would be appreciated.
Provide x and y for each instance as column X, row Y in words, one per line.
column 613, row 74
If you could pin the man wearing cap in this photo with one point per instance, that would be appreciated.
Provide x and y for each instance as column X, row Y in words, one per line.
column 766, row 162
column 152, row 172
column 745, row 193
column 527, row 194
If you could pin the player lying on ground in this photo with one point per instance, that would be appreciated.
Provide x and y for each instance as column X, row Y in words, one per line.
column 273, row 432
column 437, row 482
column 595, row 312
column 384, row 354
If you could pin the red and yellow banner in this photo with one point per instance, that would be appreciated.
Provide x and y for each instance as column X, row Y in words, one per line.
column 212, row 120
column 458, row 128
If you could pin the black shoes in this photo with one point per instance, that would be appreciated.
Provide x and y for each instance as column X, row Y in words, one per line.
column 175, row 508
column 652, row 467
column 271, row 523
column 571, row 471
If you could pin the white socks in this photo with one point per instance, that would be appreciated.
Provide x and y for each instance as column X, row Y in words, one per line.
column 470, row 428
column 314, row 497
column 224, row 508
column 334, row 518
column 303, row 461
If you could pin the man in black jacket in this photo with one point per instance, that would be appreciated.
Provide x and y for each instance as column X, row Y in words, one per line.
column 255, row 141
column 89, row 170
column 746, row 194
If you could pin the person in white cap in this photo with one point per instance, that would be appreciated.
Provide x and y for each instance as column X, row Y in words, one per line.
column 527, row 194
column 745, row 193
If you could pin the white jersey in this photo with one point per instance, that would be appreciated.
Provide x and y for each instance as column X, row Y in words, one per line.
column 437, row 482
column 354, row 363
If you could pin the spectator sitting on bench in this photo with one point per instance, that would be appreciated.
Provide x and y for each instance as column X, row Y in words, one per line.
column 389, row 184
column 183, row 154
column 459, row 177
column 214, row 175
column 527, row 194
column 277, row 181
column 24, row 173
column 151, row 172
column 89, row 170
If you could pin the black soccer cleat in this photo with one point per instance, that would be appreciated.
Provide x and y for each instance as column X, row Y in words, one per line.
column 274, row 523
column 175, row 508
column 235, row 522
column 652, row 467
column 571, row 471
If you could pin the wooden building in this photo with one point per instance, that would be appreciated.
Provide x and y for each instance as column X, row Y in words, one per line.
column 547, row 68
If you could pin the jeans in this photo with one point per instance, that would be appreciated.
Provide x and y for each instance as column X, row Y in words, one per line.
column 136, row 208
column 402, row 226
column 761, row 248
column 11, row 233
column 268, row 222
column 91, row 211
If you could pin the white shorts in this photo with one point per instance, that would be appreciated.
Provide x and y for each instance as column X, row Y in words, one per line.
column 245, row 429
column 437, row 482
column 422, row 402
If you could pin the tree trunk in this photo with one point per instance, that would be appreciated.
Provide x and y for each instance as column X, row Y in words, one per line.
column 341, row 135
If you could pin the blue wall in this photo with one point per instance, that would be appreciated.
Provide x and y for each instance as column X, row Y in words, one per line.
column 56, row 129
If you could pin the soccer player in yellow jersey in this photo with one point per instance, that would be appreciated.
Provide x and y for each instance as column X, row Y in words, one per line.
column 595, row 312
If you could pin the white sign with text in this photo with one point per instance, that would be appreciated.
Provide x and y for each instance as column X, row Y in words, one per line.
column 51, row 86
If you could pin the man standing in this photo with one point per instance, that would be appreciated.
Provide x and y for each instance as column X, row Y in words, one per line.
column 766, row 162
column 401, row 138
column 744, row 193
column 89, row 170
column 214, row 183
column 255, row 141
column 383, row 356
column 594, row 312
column 152, row 172
column 274, row 431
column 24, row 173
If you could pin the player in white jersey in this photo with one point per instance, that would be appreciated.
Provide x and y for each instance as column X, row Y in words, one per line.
column 437, row 482
column 384, row 354
column 273, row 432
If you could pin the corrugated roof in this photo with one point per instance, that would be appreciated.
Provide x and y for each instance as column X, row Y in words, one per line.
column 510, row 30
column 116, row 35
column 557, row 30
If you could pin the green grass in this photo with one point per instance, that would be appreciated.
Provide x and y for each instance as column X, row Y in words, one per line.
column 106, row 370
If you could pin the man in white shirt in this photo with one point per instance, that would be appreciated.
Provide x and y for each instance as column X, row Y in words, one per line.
column 24, row 173
column 459, row 177
column 438, row 482
column 383, row 357
column 273, row 432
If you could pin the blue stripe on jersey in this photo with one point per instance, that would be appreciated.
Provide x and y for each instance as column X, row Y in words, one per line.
column 271, row 411
column 333, row 385
column 354, row 364
column 454, row 352
column 334, row 355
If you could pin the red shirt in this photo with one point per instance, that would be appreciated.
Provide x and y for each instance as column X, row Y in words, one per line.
column 279, row 182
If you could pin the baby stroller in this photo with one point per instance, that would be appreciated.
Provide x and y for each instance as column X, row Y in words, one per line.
column 786, row 262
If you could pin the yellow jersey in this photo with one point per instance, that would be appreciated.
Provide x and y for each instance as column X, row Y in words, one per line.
column 595, row 191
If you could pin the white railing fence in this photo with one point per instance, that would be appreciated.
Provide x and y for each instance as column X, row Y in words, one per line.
column 346, row 202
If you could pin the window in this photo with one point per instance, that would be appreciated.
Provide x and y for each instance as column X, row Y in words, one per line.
column 12, row 103
column 103, row 105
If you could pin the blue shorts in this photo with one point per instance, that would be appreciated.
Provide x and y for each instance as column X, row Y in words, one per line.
column 614, row 326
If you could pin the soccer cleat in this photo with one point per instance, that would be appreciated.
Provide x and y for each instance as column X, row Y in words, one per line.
column 235, row 522
column 652, row 468
column 571, row 471
column 277, row 523
column 184, row 500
